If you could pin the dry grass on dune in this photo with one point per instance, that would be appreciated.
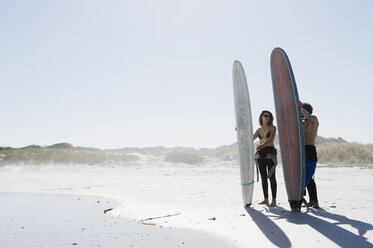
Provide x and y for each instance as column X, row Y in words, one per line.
column 329, row 153
column 345, row 154
column 37, row 156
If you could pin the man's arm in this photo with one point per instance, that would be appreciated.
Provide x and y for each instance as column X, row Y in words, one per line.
column 305, row 113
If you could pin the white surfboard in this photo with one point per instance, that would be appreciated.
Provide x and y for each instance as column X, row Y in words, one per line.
column 244, row 132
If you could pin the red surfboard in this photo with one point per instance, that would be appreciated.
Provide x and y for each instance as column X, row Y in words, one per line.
column 290, row 127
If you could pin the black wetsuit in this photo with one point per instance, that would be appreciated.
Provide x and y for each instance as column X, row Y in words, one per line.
column 265, row 165
column 311, row 187
column 311, row 161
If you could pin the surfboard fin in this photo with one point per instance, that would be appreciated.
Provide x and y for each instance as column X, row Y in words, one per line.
column 305, row 204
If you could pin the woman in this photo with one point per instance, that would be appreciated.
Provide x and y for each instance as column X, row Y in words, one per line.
column 266, row 155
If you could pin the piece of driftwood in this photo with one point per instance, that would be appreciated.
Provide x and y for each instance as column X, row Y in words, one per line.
column 159, row 217
column 107, row 210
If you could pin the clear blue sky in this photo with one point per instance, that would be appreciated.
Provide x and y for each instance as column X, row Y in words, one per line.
column 142, row 73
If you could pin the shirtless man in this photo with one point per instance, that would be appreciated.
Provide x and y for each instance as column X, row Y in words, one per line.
column 310, row 127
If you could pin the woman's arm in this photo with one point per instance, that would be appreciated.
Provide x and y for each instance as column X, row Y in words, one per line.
column 255, row 135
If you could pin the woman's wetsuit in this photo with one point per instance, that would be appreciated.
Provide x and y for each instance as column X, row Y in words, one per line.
column 265, row 165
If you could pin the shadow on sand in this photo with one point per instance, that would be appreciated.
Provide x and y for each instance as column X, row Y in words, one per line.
column 332, row 231
column 55, row 220
column 272, row 231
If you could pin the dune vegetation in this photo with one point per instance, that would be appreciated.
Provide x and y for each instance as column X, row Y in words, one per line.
column 331, row 151
column 346, row 154
column 48, row 155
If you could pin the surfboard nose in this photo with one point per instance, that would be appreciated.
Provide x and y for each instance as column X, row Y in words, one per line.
column 237, row 64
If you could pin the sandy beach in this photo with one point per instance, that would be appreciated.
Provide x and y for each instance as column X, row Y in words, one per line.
column 175, row 205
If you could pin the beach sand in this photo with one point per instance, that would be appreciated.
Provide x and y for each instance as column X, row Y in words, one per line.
column 176, row 205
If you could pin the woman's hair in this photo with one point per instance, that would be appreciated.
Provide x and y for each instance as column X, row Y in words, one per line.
column 270, row 121
column 308, row 108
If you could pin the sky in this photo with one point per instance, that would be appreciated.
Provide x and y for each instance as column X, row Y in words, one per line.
column 140, row 73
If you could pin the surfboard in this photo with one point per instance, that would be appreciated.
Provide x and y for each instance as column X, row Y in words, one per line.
column 290, row 126
column 244, row 132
